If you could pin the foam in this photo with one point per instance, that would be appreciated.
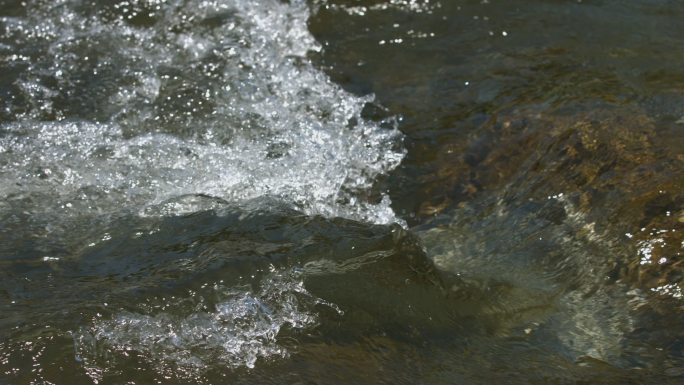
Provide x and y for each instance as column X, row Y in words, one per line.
column 186, row 337
column 157, row 108
column 227, row 106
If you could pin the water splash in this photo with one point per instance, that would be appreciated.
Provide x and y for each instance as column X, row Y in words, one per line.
column 128, row 105
column 155, row 108
column 187, row 336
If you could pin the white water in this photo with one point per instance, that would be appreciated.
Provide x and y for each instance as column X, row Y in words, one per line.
column 111, row 118
column 227, row 105
column 186, row 336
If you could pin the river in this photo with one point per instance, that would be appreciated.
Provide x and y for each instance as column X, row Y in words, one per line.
column 338, row 191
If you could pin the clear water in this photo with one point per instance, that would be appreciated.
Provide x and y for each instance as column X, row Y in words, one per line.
column 328, row 192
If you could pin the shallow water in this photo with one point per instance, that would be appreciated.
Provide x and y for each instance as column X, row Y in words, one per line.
column 331, row 192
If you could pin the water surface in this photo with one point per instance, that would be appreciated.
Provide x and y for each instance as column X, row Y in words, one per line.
column 334, row 192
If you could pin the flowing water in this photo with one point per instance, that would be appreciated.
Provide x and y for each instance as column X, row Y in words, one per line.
column 338, row 191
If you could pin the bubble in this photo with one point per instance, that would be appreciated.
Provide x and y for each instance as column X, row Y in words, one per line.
column 135, row 103
column 240, row 328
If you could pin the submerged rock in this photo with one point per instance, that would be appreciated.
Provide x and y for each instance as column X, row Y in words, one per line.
column 583, row 204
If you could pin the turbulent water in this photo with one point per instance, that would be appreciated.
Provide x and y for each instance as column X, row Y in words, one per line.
column 400, row 191
column 133, row 112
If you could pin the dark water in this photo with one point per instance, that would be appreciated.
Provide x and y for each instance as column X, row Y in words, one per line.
column 336, row 192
